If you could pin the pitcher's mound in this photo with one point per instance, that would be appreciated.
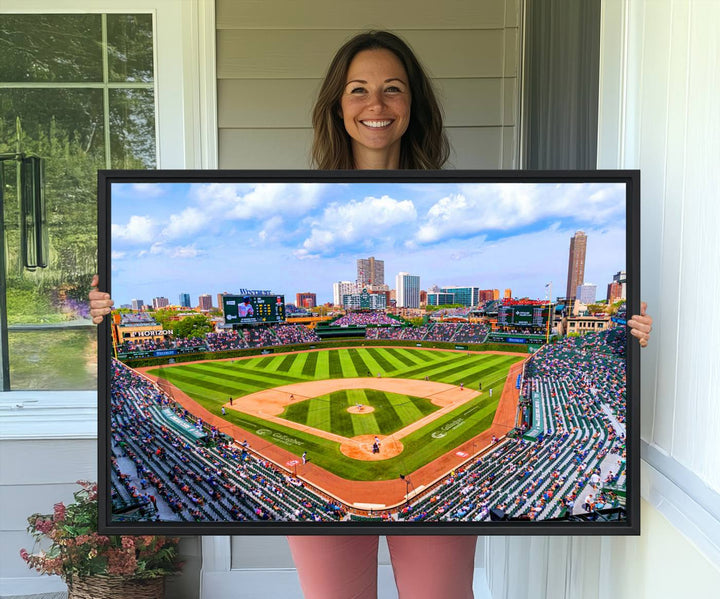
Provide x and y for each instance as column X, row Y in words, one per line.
column 360, row 410
column 361, row 448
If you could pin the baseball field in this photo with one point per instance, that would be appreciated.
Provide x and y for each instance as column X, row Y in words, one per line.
column 332, row 404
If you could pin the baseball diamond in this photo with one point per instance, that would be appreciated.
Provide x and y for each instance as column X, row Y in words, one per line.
column 300, row 402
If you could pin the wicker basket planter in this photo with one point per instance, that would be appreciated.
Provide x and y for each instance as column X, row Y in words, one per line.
column 116, row 587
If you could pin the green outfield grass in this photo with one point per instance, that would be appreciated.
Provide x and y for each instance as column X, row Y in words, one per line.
column 213, row 383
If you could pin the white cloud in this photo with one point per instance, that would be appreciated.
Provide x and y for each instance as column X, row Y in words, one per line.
column 172, row 251
column 261, row 201
column 189, row 222
column 356, row 222
column 505, row 206
column 115, row 255
column 148, row 190
column 138, row 230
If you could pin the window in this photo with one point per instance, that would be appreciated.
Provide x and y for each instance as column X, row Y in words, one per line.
column 78, row 91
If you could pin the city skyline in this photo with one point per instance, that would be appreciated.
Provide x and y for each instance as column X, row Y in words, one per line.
column 173, row 238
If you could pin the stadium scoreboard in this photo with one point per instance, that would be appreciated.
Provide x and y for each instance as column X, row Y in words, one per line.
column 253, row 309
column 527, row 316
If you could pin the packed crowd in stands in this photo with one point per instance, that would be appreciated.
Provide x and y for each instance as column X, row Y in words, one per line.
column 179, row 343
column 450, row 312
column 280, row 334
column 440, row 331
column 363, row 318
column 219, row 482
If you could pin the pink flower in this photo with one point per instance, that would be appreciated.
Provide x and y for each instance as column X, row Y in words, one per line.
column 128, row 543
column 59, row 512
column 24, row 555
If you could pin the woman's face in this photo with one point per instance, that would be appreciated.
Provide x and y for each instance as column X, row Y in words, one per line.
column 375, row 106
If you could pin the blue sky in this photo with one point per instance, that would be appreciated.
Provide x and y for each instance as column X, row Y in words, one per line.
column 170, row 238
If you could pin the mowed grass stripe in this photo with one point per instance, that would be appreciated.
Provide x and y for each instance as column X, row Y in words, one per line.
column 334, row 367
column 481, row 373
column 381, row 358
column 318, row 414
column 263, row 362
column 287, row 363
column 398, row 355
column 203, row 384
column 363, row 423
column 387, row 418
column 240, row 374
column 309, row 367
column 340, row 418
column 361, row 367
column 322, row 368
column 422, row 356
column 297, row 412
column 429, row 369
column 346, row 363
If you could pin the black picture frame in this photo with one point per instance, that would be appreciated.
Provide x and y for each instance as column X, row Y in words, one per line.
column 623, row 521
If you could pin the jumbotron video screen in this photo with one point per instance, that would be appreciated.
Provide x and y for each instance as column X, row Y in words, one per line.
column 253, row 309
column 369, row 352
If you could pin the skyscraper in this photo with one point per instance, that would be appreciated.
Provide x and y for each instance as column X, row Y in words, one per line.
column 343, row 288
column 586, row 293
column 576, row 263
column 160, row 302
column 306, row 300
column 408, row 290
column 370, row 271
column 137, row 304
column 185, row 300
column 205, row 302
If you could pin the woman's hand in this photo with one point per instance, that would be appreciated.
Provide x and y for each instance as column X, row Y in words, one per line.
column 641, row 325
column 100, row 302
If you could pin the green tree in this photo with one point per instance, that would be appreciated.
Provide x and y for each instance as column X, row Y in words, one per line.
column 193, row 326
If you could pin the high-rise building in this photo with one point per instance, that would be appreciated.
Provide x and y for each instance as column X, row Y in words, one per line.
column 137, row 304
column 205, row 302
column 466, row 296
column 305, row 300
column 423, row 297
column 586, row 293
column 438, row 298
column 343, row 288
column 486, row 295
column 370, row 271
column 160, row 302
column 219, row 299
column 508, row 294
column 185, row 300
column 408, row 290
column 576, row 263
column 614, row 292
column 619, row 283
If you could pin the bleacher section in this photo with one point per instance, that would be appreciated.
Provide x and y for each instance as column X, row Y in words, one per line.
column 440, row 331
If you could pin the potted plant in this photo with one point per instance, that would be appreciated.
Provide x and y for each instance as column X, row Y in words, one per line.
column 95, row 566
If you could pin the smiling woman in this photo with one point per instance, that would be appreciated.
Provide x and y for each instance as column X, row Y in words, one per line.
column 376, row 82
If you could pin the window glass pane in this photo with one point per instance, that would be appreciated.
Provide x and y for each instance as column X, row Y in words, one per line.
column 52, row 342
column 55, row 359
column 132, row 128
column 50, row 48
column 130, row 47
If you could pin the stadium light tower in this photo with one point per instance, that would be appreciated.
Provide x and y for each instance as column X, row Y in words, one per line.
column 547, row 332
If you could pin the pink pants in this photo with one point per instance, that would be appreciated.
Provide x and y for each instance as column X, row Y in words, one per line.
column 339, row 567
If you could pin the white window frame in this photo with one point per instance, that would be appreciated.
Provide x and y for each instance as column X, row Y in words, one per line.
column 186, row 136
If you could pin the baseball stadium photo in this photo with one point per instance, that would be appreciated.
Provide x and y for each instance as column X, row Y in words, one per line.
column 344, row 353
